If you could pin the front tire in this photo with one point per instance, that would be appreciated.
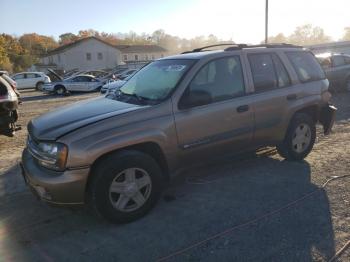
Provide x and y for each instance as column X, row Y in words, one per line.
column 60, row 90
column 124, row 186
column 300, row 138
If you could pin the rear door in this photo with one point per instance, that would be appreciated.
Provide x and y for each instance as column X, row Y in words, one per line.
column 221, row 120
column 31, row 79
column 73, row 84
column 20, row 80
column 282, row 81
column 273, row 91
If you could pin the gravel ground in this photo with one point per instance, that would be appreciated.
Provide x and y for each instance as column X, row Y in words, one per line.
column 253, row 208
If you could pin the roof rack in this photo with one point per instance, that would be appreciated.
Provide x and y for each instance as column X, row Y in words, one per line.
column 234, row 46
column 200, row 49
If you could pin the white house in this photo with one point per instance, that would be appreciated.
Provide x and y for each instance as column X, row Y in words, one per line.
column 92, row 53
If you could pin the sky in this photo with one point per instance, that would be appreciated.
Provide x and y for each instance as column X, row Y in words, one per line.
column 239, row 20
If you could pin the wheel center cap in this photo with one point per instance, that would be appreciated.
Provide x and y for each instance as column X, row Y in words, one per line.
column 130, row 189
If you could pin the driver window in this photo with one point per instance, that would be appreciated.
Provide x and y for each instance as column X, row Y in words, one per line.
column 220, row 79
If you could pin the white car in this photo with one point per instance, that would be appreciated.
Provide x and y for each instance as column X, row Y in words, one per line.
column 79, row 83
column 35, row 80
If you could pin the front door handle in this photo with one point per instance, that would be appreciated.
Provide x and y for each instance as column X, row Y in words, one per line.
column 292, row 97
column 242, row 109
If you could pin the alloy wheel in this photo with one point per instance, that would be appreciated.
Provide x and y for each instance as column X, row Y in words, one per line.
column 301, row 138
column 130, row 189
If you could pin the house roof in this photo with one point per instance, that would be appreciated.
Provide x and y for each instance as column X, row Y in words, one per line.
column 122, row 48
column 140, row 48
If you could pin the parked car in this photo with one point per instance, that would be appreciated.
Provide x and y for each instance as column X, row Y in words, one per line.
column 8, row 108
column 337, row 69
column 80, row 83
column 31, row 80
column 115, row 154
column 127, row 73
column 96, row 73
column 11, row 82
column 112, row 86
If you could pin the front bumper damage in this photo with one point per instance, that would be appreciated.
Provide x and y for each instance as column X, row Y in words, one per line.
column 327, row 118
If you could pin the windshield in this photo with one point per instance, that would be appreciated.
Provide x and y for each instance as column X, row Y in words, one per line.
column 156, row 80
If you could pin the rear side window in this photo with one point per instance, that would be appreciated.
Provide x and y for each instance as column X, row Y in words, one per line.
column 31, row 75
column 268, row 72
column 306, row 66
column 347, row 60
column 283, row 79
column 338, row 60
column 19, row 76
column 263, row 71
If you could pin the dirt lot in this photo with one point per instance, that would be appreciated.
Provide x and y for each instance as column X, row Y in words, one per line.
column 255, row 208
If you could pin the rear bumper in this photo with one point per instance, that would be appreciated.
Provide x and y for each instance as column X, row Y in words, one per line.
column 60, row 188
column 327, row 118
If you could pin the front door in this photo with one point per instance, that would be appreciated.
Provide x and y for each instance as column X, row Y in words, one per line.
column 214, row 116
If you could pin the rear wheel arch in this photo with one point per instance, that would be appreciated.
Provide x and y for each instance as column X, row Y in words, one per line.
column 38, row 84
column 311, row 110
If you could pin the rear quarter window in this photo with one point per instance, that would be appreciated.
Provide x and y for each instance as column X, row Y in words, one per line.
column 306, row 66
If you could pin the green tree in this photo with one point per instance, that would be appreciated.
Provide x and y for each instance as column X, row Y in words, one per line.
column 5, row 63
column 37, row 44
column 67, row 38
column 308, row 35
column 279, row 38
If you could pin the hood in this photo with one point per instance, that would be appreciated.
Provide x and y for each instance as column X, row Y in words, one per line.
column 63, row 120
column 55, row 74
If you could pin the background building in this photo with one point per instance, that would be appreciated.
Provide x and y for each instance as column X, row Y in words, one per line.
column 92, row 53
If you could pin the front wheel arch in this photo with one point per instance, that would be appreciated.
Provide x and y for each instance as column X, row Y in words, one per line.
column 101, row 176
column 150, row 148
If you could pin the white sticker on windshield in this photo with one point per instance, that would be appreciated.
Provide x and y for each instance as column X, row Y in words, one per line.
column 174, row 68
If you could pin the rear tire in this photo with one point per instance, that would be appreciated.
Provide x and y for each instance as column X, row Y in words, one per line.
column 39, row 86
column 300, row 138
column 116, row 170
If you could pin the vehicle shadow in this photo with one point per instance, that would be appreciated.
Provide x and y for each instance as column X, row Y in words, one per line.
column 234, row 199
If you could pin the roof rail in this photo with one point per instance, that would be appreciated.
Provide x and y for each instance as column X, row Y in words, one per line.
column 274, row 45
column 234, row 46
column 205, row 47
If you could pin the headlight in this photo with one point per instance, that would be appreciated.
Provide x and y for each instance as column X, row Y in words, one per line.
column 50, row 155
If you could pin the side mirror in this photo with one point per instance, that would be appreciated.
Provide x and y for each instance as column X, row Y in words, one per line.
column 195, row 98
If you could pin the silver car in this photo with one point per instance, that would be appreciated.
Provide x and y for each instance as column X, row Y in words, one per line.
column 79, row 83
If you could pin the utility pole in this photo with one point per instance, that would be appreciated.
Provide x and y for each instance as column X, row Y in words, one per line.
column 266, row 20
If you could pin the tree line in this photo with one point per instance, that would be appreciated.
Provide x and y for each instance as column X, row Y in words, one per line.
column 19, row 53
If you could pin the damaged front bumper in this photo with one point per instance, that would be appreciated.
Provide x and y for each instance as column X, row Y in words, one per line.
column 327, row 118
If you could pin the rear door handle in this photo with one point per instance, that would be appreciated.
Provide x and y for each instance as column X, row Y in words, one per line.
column 292, row 97
column 242, row 109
